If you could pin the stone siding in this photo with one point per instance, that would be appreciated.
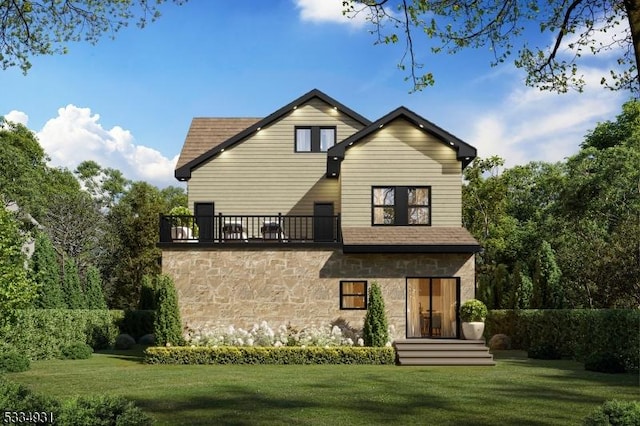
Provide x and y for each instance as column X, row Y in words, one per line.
column 301, row 287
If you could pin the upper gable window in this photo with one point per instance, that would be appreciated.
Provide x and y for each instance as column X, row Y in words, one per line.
column 314, row 138
column 401, row 205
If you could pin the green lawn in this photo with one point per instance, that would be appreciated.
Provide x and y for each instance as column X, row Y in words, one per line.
column 517, row 391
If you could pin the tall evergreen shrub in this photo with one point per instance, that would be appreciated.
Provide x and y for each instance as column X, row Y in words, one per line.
column 74, row 296
column 45, row 271
column 147, row 294
column 93, row 289
column 168, row 325
column 547, row 289
column 375, row 331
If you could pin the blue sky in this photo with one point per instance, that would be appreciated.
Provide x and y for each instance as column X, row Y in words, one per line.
column 127, row 103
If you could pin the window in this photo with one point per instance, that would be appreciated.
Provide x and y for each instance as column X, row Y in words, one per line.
column 314, row 138
column 401, row 205
column 353, row 295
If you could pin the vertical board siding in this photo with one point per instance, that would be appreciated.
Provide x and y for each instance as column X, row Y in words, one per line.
column 401, row 155
column 263, row 174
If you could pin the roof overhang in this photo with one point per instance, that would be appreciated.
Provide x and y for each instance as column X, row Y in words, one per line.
column 183, row 173
column 465, row 153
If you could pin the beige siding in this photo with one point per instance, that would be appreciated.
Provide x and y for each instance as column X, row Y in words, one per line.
column 263, row 174
column 401, row 155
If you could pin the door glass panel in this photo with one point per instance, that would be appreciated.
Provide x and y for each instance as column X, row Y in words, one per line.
column 431, row 307
column 443, row 306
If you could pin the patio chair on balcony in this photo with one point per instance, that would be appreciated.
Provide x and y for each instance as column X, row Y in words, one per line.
column 181, row 234
column 234, row 231
column 272, row 231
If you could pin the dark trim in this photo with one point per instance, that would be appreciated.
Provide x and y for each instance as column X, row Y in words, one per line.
column 342, row 294
column 254, row 246
column 401, row 205
column 435, row 248
column 465, row 152
column 184, row 172
column 315, row 138
column 406, row 305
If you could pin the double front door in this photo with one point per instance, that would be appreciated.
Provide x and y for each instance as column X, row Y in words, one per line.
column 432, row 307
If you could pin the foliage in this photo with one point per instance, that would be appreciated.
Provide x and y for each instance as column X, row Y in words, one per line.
column 473, row 310
column 45, row 271
column 544, row 351
column 137, row 323
column 12, row 361
column 573, row 333
column 43, row 333
column 102, row 410
column 16, row 397
column 76, row 351
column 124, row 341
column 105, row 185
column 614, row 412
column 30, row 29
column 263, row 335
column 375, row 330
column 93, row 290
column 168, row 325
column 270, row 355
column 74, row 296
column 16, row 289
column 502, row 27
column 147, row 294
column 604, row 362
column 547, row 289
column 147, row 340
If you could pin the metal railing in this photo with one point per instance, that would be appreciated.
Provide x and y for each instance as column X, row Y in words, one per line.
column 276, row 228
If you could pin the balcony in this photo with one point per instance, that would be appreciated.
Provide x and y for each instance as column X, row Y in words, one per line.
column 250, row 229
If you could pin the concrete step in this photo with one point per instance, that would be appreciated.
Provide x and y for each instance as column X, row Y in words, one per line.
column 439, row 347
column 448, row 361
column 444, row 354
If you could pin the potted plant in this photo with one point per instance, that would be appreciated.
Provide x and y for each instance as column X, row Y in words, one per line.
column 472, row 314
column 183, row 227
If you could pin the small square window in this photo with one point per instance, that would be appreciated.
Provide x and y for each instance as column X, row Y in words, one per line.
column 353, row 295
column 327, row 139
column 303, row 139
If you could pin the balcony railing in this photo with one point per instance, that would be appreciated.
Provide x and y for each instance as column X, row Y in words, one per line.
column 277, row 228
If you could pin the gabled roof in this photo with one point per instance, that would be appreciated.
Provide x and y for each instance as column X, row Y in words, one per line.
column 183, row 172
column 206, row 133
column 465, row 152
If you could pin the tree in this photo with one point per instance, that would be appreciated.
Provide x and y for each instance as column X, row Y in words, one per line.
column 375, row 331
column 93, row 289
column 522, row 288
column 577, row 26
column 45, row 271
column 148, row 296
column 74, row 296
column 547, row 290
column 30, row 28
column 168, row 325
column 17, row 290
column 105, row 185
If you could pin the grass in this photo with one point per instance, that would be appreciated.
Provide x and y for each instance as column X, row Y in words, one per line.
column 518, row 391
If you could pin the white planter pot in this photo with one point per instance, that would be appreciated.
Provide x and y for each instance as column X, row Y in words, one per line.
column 472, row 330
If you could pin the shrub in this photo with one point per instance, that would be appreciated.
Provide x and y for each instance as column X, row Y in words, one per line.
column 269, row 355
column 500, row 342
column 42, row 333
column 615, row 413
column 124, row 341
column 137, row 323
column 12, row 361
column 147, row 294
column 16, row 397
column 167, row 326
column 77, row 351
column 147, row 340
column 544, row 351
column 604, row 362
column 473, row 310
column 375, row 330
column 102, row 410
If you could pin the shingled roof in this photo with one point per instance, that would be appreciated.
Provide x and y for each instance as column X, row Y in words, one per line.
column 408, row 239
column 206, row 133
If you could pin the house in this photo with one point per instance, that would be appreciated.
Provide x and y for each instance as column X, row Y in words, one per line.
column 297, row 213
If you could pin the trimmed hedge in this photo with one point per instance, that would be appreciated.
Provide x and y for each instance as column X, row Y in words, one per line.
column 572, row 333
column 269, row 355
column 43, row 333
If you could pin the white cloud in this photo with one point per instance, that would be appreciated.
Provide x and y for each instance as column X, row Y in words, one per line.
column 323, row 11
column 76, row 135
column 17, row 117
column 533, row 125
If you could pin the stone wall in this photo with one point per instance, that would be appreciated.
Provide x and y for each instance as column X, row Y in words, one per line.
column 301, row 287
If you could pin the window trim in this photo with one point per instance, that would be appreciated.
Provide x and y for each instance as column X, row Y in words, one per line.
column 401, row 205
column 365, row 294
column 315, row 138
